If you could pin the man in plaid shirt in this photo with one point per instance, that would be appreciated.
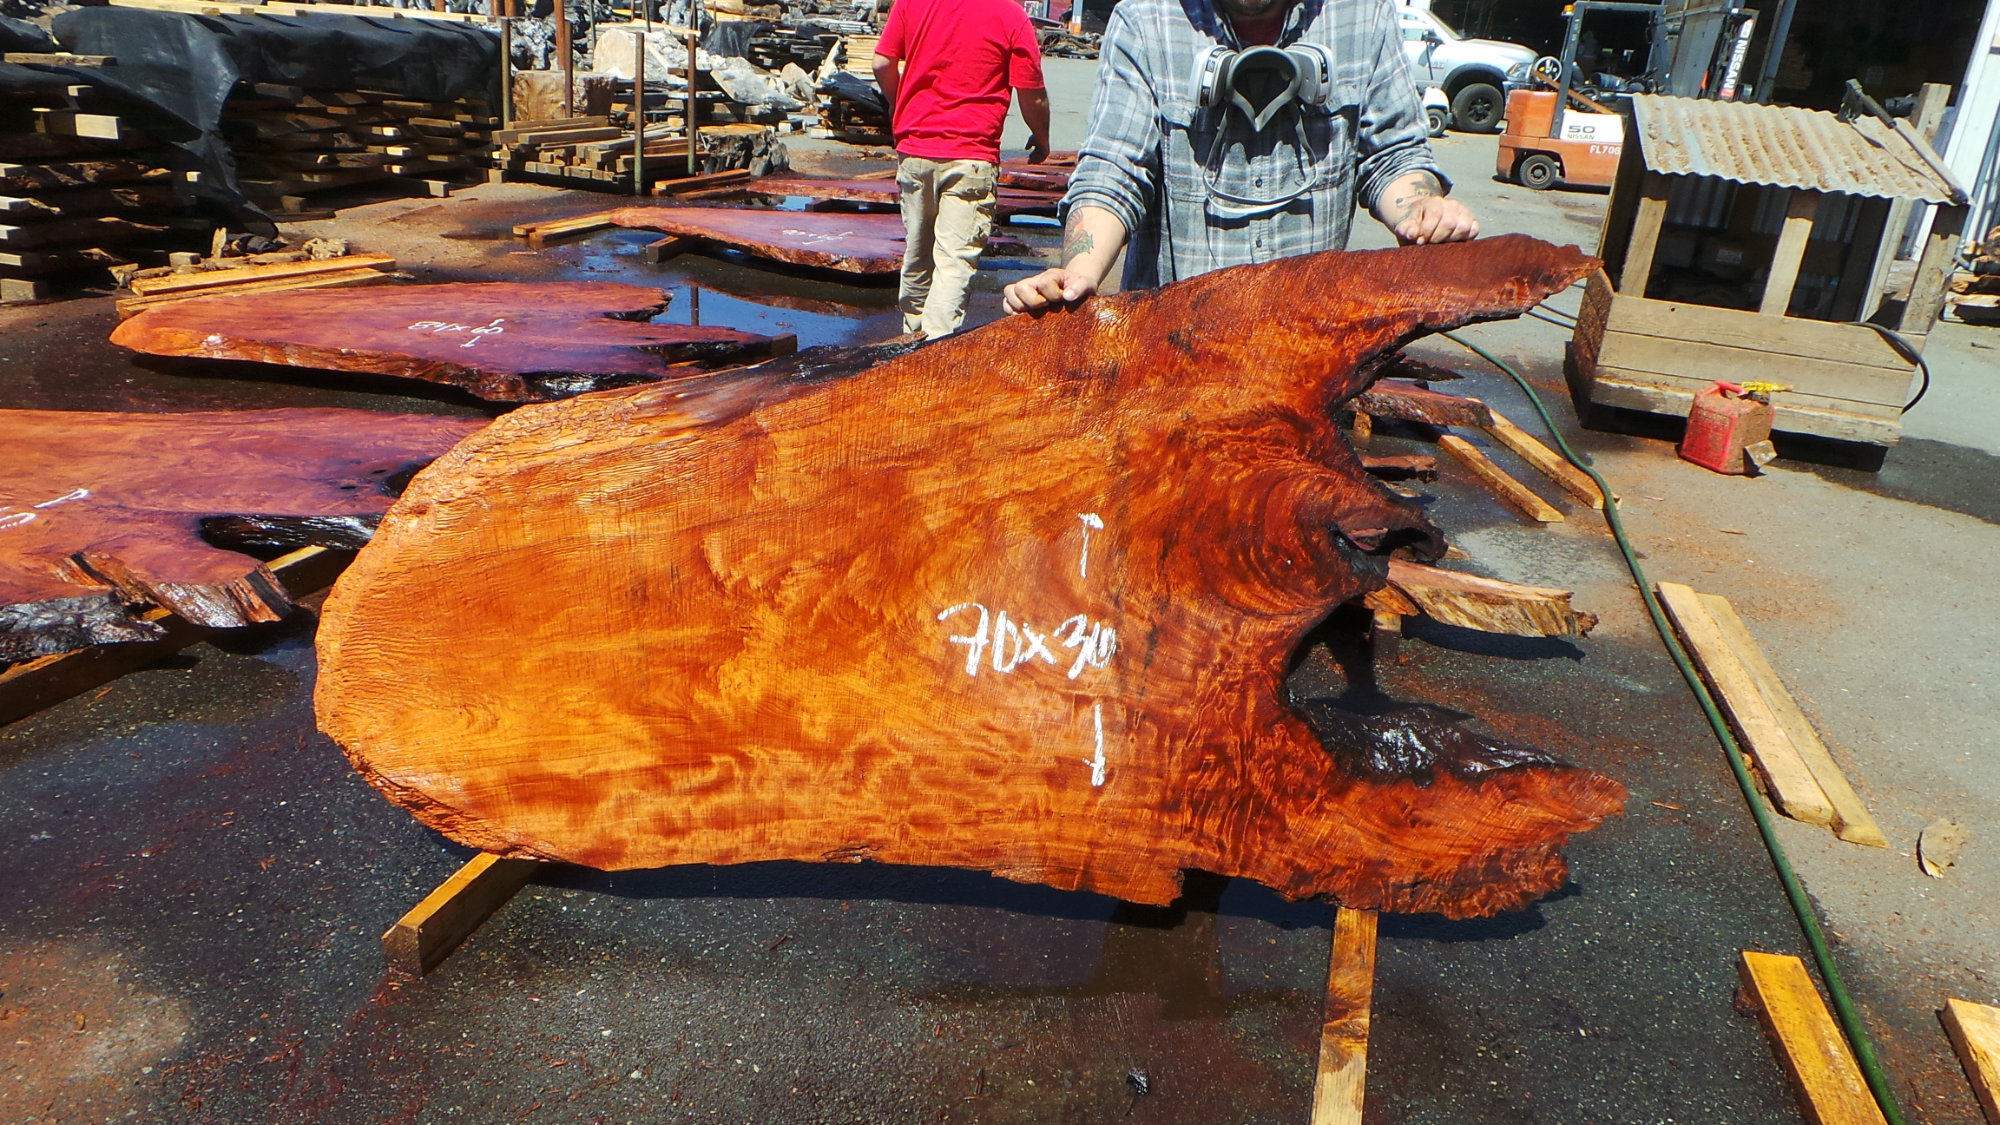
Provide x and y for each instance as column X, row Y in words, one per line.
column 1194, row 187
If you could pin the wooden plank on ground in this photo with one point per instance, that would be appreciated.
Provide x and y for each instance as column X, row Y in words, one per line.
column 1851, row 821
column 1790, row 784
column 421, row 939
column 30, row 686
column 702, row 183
column 1975, row 1035
column 133, row 306
column 1341, row 1082
column 538, row 234
column 1808, row 1043
column 1528, row 448
column 213, row 279
column 1515, row 494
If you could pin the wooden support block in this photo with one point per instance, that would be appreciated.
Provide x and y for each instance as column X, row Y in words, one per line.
column 1385, row 635
column 1808, row 1043
column 423, row 938
column 14, row 289
column 1975, row 1035
column 1851, row 821
column 1525, row 446
column 1512, row 492
column 1405, row 401
column 540, row 234
column 69, row 123
column 1790, row 784
column 57, row 58
column 1486, row 604
column 669, row 247
column 1341, row 1082
column 32, row 685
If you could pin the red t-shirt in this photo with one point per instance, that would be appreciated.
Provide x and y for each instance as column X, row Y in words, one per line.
column 960, row 59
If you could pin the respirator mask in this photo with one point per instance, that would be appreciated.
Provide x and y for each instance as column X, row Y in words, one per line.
column 1261, row 83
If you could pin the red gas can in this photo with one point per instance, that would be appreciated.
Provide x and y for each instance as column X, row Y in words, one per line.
column 1722, row 423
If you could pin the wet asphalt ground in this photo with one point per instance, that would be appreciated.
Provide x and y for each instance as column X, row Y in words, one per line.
column 196, row 881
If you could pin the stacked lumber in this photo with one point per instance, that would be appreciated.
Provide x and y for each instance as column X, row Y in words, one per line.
column 82, row 188
column 291, row 142
column 1975, row 292
column 267, row 273
column 591, row 152
column 805, row 47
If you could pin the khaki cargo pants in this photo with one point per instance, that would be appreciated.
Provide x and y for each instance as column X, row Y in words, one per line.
column 947, row 213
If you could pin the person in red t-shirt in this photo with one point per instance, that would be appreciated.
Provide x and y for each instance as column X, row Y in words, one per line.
column 946, row 67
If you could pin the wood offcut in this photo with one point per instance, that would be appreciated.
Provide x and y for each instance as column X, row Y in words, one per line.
column 879, row 618
column 104, row 516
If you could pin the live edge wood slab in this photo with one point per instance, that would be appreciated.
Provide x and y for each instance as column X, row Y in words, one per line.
column 502, row 341
column 1021, row 600
column 103, row 517
column 846, row 243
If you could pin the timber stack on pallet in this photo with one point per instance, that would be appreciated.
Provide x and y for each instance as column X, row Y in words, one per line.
column 591, row 152
column 290, row 142
column 82, row 188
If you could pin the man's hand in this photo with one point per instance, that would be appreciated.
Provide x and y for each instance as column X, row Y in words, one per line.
column 1091, row 240
column 1038, row 149
column 1415, row 208
column 1048, row 289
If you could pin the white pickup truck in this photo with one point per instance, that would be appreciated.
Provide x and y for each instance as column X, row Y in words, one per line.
column 1474, row 73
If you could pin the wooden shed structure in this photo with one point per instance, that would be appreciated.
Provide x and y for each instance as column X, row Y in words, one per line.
column 1744, row 242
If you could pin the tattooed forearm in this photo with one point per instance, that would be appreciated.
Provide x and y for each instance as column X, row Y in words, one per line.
column 1076, row 243
column 1408, row 194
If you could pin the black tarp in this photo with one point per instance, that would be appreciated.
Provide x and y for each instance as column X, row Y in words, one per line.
column 185, row 66
column 20, row 35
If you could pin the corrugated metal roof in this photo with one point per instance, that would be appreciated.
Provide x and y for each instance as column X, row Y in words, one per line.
column 1783, row 147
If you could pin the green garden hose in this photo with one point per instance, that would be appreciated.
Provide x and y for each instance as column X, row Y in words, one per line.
column 1843, row 1004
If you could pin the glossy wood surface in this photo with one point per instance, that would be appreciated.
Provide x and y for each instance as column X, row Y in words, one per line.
column 1021, row 600
column 503, row 341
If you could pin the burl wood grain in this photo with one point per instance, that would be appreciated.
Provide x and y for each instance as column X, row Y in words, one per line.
column 1020, row 600
column 503, row 341
column 102, row 515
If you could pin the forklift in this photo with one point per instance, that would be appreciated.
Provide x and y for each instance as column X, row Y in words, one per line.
column 1560, row 135
column 1570, row 132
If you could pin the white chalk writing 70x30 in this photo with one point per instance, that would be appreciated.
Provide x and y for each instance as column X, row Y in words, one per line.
column 1012, row 642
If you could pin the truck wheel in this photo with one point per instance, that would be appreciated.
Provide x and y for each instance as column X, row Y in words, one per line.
column 1438, row 120
column 1539, row 171
column 1477, row 108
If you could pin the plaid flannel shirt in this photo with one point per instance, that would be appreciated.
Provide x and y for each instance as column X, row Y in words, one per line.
column 1199, row 190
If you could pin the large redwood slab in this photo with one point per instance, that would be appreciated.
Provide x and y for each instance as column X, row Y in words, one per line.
column 504, row 341
column 1021, row 600
column 848, row 243
column 102, row 515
